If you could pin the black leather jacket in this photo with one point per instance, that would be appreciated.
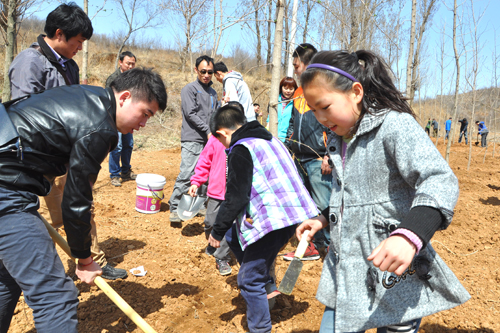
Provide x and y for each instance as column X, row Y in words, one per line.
column 68, row 128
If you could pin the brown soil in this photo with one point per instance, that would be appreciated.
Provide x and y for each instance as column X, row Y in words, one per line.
column 183, row 292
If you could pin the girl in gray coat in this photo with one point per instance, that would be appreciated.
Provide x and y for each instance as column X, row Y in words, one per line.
column 392, row 191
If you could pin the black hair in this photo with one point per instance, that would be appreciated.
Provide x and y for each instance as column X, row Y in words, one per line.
column 220, row 67
column 256, row 104
column 370, row 70
column 230, row 116
column 305, row 52
column 204, row 58
column 71, row 19
column 143, row 84
column 477, row 121
column 127, row 54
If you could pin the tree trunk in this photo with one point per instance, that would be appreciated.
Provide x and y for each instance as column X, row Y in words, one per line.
column 257, row 32
column 269, row 20
column 409, row 64
column 9, row 49
column 286, row 35
column 353, row 39
column 457, row 84
column 276, row 71
column 85, row 48
column 289, row 67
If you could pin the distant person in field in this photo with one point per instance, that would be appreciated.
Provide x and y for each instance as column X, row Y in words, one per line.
column 428, row 127
column 198, row 102
column 47, row 64
column 125, row 145
column 234, row 89
column 256, row 108
column 481, row 129
column 67, row 129
column 447, row 128
column 463, row 130
column 435, row 127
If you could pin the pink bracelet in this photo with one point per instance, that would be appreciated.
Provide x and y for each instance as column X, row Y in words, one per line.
column 411, row 236
column 91, row 261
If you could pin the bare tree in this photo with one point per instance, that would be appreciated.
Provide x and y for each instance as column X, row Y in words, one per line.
column 276, row 71
column 138, row 15
column 309, row 4
column 471, row 79
column 409, row 63
column 9, row 50
column 269, row 32
column 457, row 85
column 193, row 20
column 428, row 8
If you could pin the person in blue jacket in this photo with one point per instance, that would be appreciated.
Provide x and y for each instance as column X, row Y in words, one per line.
column 285, row 105
column 447, row 127
column 483, row 130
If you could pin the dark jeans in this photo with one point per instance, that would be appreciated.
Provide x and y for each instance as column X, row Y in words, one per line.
column 253, row 276
column 29, row 263
column 328, row 325
column 122, row 151
column 320, row 189
column 460, row 137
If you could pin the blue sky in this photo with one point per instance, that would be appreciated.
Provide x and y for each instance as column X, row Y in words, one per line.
column 108, row 22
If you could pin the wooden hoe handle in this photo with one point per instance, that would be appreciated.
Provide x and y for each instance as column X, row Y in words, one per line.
column 102, row 284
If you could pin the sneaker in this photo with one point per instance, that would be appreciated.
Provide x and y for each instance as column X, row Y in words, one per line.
column 111, row 273
column 271, row 294
column 115, row 181
column 128, row 176
column 174, row 218
column 223, row 267
column 210, row 250
column 311, row 253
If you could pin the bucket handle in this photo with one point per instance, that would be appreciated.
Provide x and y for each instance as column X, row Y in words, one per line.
column 155, row 195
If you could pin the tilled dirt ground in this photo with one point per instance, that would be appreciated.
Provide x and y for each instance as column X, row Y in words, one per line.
column 183, row 292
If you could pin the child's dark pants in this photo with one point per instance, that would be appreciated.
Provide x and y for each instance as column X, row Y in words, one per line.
column 255, row 263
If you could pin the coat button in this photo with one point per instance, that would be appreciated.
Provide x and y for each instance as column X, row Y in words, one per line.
column 333, row 218
column 332, row 148
column 392, row 227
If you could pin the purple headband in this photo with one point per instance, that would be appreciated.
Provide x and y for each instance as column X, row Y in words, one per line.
column 333, row 69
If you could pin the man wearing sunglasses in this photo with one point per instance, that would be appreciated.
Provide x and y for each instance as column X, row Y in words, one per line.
column 198, row 102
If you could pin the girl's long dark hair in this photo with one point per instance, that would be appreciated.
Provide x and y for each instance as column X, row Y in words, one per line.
column 370, row 70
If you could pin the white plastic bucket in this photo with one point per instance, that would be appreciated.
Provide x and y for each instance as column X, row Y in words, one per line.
column 149, row 192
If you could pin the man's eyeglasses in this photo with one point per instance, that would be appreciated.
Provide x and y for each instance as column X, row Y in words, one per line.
column 203, row 72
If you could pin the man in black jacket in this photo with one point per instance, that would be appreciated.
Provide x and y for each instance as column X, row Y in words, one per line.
column 463, row 130
column 66, row 129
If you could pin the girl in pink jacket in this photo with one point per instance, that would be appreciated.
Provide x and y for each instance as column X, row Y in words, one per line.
column 212, row 164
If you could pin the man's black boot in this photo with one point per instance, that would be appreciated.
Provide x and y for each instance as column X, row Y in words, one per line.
column 111, row 273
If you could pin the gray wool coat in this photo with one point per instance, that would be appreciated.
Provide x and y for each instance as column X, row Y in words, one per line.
column 391, row 166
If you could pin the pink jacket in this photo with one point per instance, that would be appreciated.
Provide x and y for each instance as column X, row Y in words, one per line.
column 212, row 163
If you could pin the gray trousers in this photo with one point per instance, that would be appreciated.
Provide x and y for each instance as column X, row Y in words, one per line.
column 222, row 253
column 190, row 152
